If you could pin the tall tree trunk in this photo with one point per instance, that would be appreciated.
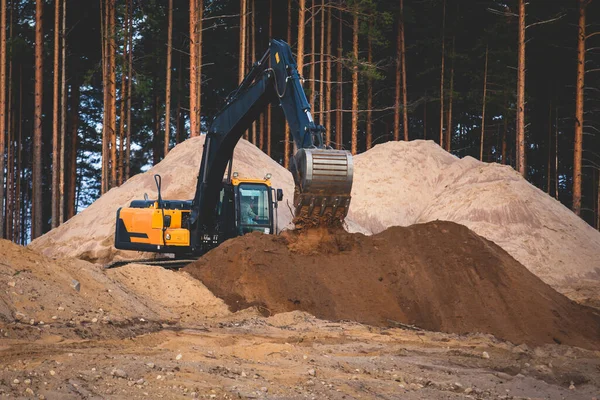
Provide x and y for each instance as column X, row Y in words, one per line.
column 129, row 90
column 122, row 115
column 369, row 127
column 179, row 93
column 398, row 79
column 63, row 114
column 242, row 58
column 425, row 118
column 301, row 21
column 269, row 106
column 74, row 128
column 113, row 96
column 339, row 122
column 442, row 76
column 578, row 145
column 18, row 197
column 449, row 125
column 505, row 118
column 199, row 16
column 313, row 86
column 556, row 153
column 286, row 139
column 355, row 84
column 485, row 71
column 521, row 163
column 55, row 114
column 322, row 67
column 104, row 16
column 253, row 57
column 2, row 110
column 36, row 212
column 168, row 89
column 10, row 186
column 328, row 79
column 549, row 166
column 403, row 61
column 194, row 68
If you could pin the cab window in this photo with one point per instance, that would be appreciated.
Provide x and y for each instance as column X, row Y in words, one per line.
column 255, row 211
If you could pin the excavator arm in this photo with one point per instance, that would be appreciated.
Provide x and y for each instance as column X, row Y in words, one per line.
column 323, row 176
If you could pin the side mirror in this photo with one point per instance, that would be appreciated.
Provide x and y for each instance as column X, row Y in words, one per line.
column 158, row 181
column 279, row 194
column 146, row 198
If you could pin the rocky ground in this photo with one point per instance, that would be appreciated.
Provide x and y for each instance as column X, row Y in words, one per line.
column 287, row 356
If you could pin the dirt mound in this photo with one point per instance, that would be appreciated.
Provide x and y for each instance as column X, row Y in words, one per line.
column 438, row 276
column 405, row 183
column 90, row 234
column 78, row 293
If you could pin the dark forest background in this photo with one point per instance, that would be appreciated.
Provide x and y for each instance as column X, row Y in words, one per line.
column 469, row 28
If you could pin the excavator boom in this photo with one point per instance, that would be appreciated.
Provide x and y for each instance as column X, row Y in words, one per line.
column 322, row 175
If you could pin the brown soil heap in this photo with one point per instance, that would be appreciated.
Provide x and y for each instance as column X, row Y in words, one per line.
column 438, row 276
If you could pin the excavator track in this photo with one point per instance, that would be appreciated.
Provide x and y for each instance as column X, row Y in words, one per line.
column 168, row 263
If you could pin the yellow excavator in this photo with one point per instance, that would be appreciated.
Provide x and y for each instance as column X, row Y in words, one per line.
column 226, row 205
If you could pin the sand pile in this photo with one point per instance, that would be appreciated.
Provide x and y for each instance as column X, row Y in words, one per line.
column 90, row 234
column 35, row 287
column 438, row 276
column 404, row 183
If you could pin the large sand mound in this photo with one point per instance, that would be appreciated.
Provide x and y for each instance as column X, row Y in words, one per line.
column 35, row 287
column 90, row 234
column 404, row 183
column 438, row 276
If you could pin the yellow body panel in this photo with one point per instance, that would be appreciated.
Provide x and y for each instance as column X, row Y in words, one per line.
column 142, row 222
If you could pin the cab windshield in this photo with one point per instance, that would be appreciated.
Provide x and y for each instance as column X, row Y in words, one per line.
column 255, row 210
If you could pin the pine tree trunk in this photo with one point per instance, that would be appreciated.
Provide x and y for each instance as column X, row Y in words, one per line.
column 122, row 115
column 168, row 78
column 113, row 97
column 36, row 212
column 179, row 95
column 269, row 107
column 398, row 80
column 449, row 127
column 403, row 61
column 312, row 86
column 485, row 70
column 505, row 118
column 301, row 19
column 2, row 111
column 55, row 114
column 18, row 195
column 442, row 77
column 253, row 58
column 578, row 145
column 328, row 79
column 339, row 122
column 286, row 140
column 322, row 67
column 369, row 95
column 129, row 90
column 355, row 85
column 199, row 16
column 63, row 114
column 10, row 186
column 104, row 16
column 549, row 166
column 194, row 68
column 521, row 163
column 242, row 58
column 74, row 128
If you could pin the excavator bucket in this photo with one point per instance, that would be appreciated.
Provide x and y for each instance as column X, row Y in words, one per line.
column 323, row 185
